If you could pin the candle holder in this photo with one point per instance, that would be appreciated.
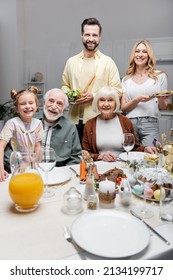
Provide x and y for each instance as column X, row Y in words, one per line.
column 107, row 194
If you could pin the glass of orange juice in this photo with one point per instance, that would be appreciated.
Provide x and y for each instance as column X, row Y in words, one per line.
column 26, row 185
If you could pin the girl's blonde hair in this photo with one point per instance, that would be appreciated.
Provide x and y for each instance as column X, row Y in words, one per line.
column 106, row 91
column 151, row 63
column 16, row 94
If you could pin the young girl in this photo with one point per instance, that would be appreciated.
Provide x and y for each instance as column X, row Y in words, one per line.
column 23, row 132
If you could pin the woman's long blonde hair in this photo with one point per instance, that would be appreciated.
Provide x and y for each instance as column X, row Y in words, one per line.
column 151, row 63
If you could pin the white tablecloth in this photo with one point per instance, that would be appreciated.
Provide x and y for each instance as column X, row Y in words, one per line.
column 39, row 235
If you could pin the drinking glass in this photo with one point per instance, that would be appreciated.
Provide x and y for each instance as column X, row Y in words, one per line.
column 128, row 143
column 46, row 164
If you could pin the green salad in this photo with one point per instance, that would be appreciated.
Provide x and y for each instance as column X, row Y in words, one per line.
column 73, row 95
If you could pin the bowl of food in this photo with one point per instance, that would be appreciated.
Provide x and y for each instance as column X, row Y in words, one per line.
column 151, row 158
column 73, row 95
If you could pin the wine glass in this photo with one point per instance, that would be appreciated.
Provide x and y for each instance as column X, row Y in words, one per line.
column 128, row 143
column 46, row 164
column 144, row 211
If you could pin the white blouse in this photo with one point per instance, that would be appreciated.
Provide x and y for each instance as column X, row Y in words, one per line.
column 150, row 86
column 109, row 136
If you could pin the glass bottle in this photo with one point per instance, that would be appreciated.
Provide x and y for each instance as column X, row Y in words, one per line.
column 125, row 192
column 89, row 187
column 83, row 169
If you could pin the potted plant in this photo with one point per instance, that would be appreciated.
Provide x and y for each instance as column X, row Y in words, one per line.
column 6, row 112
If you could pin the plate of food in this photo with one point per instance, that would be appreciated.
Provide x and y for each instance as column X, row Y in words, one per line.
column 152, row 194
column 150, row 180
column 104, row 233
column 163, row 93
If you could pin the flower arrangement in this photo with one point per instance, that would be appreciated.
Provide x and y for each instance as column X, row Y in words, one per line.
column 165, row 149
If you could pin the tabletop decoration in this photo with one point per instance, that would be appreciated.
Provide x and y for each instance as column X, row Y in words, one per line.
column 72, row 202
column 153, row 178
column 125, row 192
column 107, row 194
column 165, row 150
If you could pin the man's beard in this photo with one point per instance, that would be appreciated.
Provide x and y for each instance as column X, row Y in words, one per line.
column 49, row 117
column 90, row 49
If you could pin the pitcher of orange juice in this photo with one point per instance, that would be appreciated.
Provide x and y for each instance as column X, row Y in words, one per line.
column 26, row 185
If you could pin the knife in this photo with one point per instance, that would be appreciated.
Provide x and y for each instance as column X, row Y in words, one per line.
column 152, row 229
column 74, row 171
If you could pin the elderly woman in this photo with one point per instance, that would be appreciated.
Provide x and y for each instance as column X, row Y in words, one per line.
column 103, row 134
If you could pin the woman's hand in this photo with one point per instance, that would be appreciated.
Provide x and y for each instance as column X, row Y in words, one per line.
column 107, row 157
column 150, row 150
column 144, row 98
column 162, row 102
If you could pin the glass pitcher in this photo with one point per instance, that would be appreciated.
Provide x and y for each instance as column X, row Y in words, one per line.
column 26, row 185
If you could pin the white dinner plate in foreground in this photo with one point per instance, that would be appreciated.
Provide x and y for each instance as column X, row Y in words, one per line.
column 110, row 233
column 132, row 155
column 57, row 176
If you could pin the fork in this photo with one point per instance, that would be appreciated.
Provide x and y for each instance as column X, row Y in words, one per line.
column 68, row 237
column 74, row 171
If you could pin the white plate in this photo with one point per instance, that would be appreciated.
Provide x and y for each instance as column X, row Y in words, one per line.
column 132, row 155
column 57, row 176
column 162, row 95
column 110, row 234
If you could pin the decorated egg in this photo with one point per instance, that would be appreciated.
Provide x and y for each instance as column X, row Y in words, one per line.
column 157, row 194
column 138, row 189
column 149, row 193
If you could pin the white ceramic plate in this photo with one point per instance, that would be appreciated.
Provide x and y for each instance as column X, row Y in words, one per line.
column 57, row 176
column 162, row 95
column 132, row 155
column 110, row 233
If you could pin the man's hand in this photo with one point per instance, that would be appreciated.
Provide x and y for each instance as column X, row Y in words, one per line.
column 87, row 97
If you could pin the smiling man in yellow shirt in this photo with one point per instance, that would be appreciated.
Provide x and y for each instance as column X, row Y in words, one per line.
column 87, row 72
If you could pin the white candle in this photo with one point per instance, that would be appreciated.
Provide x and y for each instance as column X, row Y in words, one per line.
column 106, row 186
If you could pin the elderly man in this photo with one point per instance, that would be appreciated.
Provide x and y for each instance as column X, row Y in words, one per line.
column 59, row 132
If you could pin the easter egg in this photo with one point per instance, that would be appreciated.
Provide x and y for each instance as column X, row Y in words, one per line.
column 149, row 193
column 138, row 189
column 157, row 194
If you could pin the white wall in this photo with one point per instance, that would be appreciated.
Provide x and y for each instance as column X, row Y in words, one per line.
column 39, row 35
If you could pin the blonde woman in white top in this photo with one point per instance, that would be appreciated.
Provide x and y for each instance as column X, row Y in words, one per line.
column 139, row 84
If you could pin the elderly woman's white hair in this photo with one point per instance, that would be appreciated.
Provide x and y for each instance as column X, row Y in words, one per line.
column 58, row 91
column 106, row 92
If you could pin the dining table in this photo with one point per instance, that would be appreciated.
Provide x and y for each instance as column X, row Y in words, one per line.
column 39, row 235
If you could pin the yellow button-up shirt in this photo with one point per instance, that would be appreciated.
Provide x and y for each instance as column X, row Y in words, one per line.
column 106, row 74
